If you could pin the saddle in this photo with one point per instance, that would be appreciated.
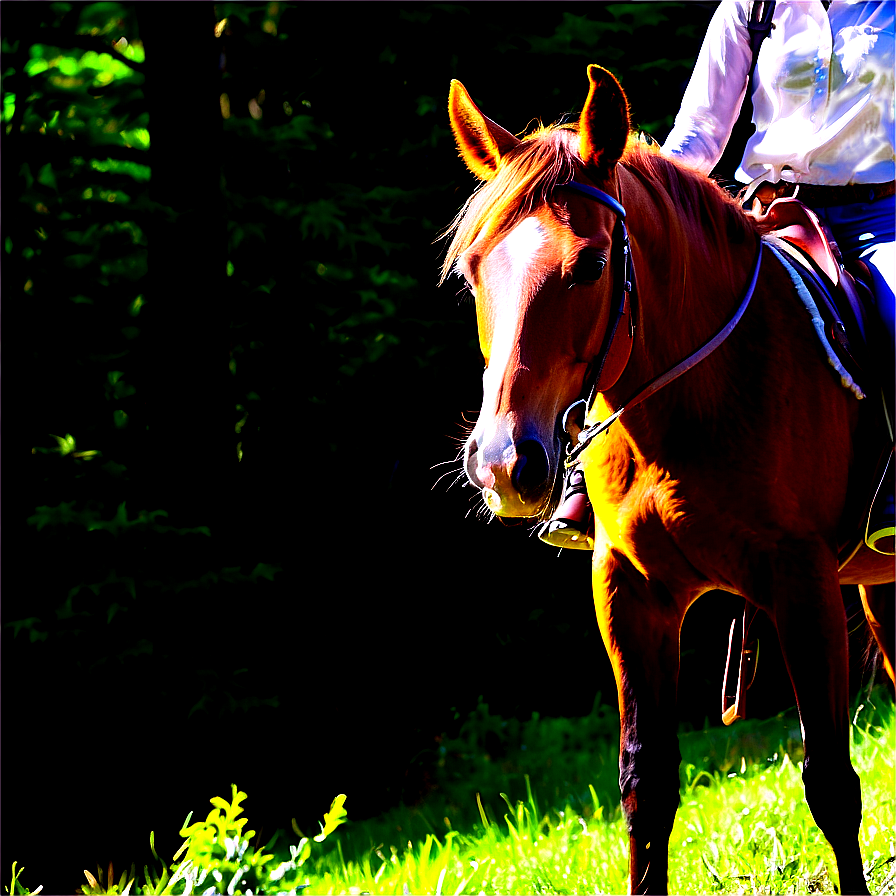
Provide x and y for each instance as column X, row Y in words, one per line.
column 841, row 298
column 839, row 302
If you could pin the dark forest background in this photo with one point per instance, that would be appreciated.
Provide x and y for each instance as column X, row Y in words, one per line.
column 229, row 381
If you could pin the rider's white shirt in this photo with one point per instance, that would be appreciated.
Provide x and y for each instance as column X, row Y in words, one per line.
column 823, row 94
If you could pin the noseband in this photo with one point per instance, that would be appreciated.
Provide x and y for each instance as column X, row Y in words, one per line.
column 622, row 302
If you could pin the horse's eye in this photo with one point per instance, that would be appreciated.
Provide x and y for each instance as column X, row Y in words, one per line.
column 588, row 267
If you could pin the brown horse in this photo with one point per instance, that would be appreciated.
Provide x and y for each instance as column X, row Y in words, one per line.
column 733, row 476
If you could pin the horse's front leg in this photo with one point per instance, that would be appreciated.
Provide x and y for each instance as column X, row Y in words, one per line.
column 640, row 622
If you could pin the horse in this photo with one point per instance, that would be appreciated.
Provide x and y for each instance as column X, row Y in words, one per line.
column 593, row 259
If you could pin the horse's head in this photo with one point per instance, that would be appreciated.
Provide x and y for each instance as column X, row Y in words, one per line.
column 536, row 257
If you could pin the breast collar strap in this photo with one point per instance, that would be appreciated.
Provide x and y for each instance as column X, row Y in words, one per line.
column 622, row 306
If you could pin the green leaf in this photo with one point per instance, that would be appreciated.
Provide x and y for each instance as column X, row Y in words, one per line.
column 66, row 445
column 78, row 260
column 184, row 831
column 137, row 138
column 332, row 819
column 54, row 516
column 303, row 852
column 65, row 611
column 35, row 66
column 139, row 172
column 47, row 177
column 116, row 387
column 28, row 625
column 265, row 571
column 321, row 219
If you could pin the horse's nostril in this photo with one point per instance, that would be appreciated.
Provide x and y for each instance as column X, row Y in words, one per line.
column 471, row 461
column 531, row 468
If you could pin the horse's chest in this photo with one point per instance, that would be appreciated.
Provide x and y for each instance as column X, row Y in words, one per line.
column 643, row 513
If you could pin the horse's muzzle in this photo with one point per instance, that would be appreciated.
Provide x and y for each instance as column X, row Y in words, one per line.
column 515, row 477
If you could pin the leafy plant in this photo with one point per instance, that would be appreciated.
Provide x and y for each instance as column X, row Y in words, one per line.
column 16, row 885
column 218, row 851
column 217, row 855
column 94, row 885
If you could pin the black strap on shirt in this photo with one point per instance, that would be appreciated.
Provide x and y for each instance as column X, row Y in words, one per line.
column 760, row 26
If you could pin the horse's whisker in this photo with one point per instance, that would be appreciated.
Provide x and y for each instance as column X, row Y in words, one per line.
column 459, row 476
column 433, row 486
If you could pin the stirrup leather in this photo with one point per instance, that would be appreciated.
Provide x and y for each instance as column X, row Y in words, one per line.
column 740, row 667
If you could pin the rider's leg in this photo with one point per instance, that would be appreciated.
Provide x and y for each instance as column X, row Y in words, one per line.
column 881, row 262
column 572, row 525
column 867, row 231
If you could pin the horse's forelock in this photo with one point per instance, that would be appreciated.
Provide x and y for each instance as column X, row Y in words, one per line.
column 527, row 178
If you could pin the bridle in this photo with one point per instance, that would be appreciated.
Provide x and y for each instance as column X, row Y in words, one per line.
column 621, row 305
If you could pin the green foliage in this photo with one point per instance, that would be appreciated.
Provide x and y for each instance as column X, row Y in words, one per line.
column 76, row 117
column 130, row 591
column 574, row 760
column 76, row 122
column 66, row 446
column 222, row 695
column 64, row 513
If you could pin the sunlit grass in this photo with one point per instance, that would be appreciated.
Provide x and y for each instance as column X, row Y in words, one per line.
column 489, row 827
column 752, row 831
column 741, row 828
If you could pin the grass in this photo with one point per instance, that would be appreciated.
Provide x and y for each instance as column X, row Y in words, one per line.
column 488, row 826
column 743, row 825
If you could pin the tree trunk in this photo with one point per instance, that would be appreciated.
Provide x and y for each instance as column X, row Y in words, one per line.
column 189, row 409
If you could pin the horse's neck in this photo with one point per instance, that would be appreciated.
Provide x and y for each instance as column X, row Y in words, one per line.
column 685, row 294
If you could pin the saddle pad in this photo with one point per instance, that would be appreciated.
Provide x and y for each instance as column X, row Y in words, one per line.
column 838, row 351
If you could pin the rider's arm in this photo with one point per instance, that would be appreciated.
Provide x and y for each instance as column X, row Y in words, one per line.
column 712, row 101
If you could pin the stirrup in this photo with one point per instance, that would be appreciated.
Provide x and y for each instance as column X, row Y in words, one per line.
column 740, row 666
column 883, row 539
column 572, row 525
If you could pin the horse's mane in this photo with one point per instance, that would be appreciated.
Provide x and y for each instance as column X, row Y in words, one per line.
column 549, row 157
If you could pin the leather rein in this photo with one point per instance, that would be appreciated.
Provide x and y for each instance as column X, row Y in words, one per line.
column 622, row 305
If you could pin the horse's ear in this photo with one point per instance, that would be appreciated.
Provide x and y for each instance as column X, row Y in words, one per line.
column 605, row 122
column 481, row 142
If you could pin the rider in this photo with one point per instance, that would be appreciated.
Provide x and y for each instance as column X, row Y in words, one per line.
column 823, row 105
